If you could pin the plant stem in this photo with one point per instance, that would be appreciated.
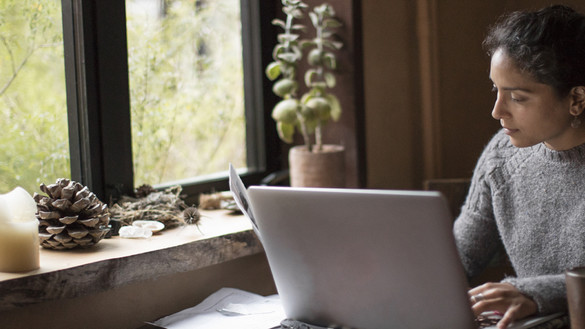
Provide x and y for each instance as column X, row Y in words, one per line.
column 305, row 132
column 319, row 70
column 318, row 138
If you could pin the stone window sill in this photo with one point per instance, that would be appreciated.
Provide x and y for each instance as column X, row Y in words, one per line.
column 117, row 261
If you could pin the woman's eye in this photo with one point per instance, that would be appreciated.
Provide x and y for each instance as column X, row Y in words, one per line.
column 516, row 99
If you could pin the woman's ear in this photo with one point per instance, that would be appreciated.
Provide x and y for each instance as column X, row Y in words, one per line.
column 577, row 95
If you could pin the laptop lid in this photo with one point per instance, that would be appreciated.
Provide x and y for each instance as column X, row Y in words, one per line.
column 363, row 258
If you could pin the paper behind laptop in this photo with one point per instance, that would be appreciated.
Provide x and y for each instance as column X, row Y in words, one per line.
column 241, row 197
column 228, row 308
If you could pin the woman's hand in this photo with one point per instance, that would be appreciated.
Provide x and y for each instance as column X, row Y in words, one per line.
column 504, row 298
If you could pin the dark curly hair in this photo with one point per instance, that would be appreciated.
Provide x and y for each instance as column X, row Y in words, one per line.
column 549, row 44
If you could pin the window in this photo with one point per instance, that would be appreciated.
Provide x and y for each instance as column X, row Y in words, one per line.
column 186, row 88
column 34, row 145
column 101, row 86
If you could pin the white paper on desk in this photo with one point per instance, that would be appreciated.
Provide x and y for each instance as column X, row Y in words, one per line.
column 241, row 197
column 245, row 310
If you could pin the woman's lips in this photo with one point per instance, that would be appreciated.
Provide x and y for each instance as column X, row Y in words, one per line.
column 509, row 131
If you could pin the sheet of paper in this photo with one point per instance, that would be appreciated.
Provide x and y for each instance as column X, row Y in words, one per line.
column 228, row 308
column 241, row 197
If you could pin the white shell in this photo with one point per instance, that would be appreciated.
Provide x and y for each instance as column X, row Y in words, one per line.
column 134, row 232
column 152, row 225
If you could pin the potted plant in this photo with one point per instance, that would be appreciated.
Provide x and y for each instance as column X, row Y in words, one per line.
column 313, row 163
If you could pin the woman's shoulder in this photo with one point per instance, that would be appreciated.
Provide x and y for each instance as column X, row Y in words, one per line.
column 499, row 148
column 500, row 159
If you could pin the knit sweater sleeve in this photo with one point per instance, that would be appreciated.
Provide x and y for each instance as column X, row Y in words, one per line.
column 475, row 230
column 547, row 291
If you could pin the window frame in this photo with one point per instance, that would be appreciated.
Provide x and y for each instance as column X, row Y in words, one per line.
column 98, row 98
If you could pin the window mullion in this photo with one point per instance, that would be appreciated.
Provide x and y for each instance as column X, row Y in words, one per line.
column 97, row 95
column 83, row 143
column 263, row 146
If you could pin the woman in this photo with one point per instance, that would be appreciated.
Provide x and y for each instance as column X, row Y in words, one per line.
column 528, row 188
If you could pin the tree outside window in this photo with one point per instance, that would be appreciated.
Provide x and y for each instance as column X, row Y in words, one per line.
column 34, row 144
column 186, row 88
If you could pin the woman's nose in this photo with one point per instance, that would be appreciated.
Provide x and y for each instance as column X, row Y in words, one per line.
column 499, row 111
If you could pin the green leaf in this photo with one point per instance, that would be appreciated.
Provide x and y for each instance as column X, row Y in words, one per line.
column 285, row 131
column 329, row 11
column 278, row 22
column 314, row 19
column 309, row 77
column 297, row 13
column 286, row 111
column 335, row 106
column 306, row 43
column 309, row 113
column 319, row 85
column 327, row 34
column 329, row 60
column 298, row 27
column 290, row 58
column 330, row 79
column 331, row 23
column 297, row 51
column 273, row 70
column 278, row 49
column 283, row 37
column 332, row 44
column 285, row 87
column 306, row 97
column 321, row 107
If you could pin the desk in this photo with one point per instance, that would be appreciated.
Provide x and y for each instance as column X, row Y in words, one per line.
column 230, row 308
column 120, row 283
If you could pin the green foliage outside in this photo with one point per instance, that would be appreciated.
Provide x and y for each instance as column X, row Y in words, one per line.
column 186, row 85
column 33, row 138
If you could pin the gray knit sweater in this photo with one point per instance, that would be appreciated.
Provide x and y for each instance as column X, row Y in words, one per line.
column 533, row 201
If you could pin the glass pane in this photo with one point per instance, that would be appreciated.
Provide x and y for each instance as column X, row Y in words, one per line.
column 34, row 144
column 186, row 88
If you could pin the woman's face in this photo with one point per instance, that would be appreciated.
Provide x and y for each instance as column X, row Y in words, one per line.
column 529, row 111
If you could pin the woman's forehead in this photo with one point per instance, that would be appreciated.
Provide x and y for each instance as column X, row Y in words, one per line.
column 504, row 70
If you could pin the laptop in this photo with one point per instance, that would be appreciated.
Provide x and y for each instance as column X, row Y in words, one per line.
column 359, row 258
column 363, row 259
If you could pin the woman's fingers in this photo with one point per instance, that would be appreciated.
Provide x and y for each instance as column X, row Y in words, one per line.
column 503, row 298
column 510, row 316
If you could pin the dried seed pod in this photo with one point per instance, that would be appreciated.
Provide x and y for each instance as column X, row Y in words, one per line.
column 144, row 190
column 191, row 215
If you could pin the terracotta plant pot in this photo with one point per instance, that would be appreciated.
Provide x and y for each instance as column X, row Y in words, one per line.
column 325, row 168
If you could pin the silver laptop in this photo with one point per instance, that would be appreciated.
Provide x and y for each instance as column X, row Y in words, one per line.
column 363, row 259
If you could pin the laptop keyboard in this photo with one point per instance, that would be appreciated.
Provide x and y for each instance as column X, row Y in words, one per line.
column 490, row 321
column 483, row 321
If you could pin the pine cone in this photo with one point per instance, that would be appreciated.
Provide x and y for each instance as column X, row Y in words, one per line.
column 70, row 216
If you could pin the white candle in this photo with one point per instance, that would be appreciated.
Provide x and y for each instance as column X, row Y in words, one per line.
column 19, row 233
